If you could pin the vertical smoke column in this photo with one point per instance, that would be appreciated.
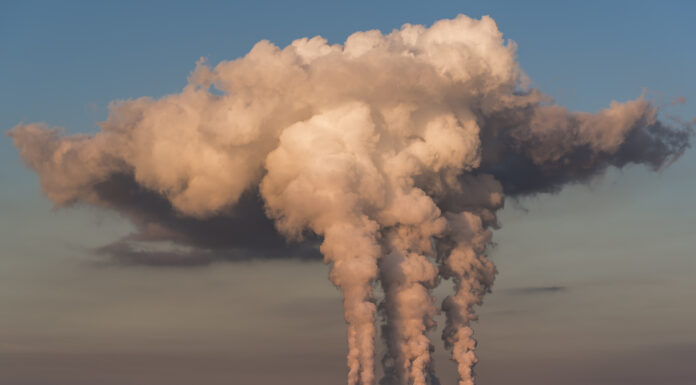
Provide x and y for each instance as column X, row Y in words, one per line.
column 444, row 147
column 470, row 210
column 352, row 252
column 407, row 276
column 312, row 182
column 473, row 275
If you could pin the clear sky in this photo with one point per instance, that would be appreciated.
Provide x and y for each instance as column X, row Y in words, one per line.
column 596, row 284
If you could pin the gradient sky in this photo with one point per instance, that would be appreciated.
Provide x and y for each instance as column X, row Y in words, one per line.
column 596, row 284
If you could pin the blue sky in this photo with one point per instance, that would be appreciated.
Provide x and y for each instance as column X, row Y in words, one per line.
column 621, row 251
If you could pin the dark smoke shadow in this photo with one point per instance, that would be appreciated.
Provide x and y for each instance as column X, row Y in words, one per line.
column 239, row 233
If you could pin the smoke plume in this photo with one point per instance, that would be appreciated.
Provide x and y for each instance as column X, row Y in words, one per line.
column 392, row 152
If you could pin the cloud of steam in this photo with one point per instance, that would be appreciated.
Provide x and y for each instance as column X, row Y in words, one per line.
column 393, row 152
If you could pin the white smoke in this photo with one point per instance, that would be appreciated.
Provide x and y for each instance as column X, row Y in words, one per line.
column 396, row 150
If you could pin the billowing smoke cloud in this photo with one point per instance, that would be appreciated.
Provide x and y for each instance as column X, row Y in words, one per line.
column 393, row 152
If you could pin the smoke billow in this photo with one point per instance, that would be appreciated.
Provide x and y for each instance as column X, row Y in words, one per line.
column 393, row 152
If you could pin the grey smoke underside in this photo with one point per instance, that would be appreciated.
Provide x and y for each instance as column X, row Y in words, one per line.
column 242, row 232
